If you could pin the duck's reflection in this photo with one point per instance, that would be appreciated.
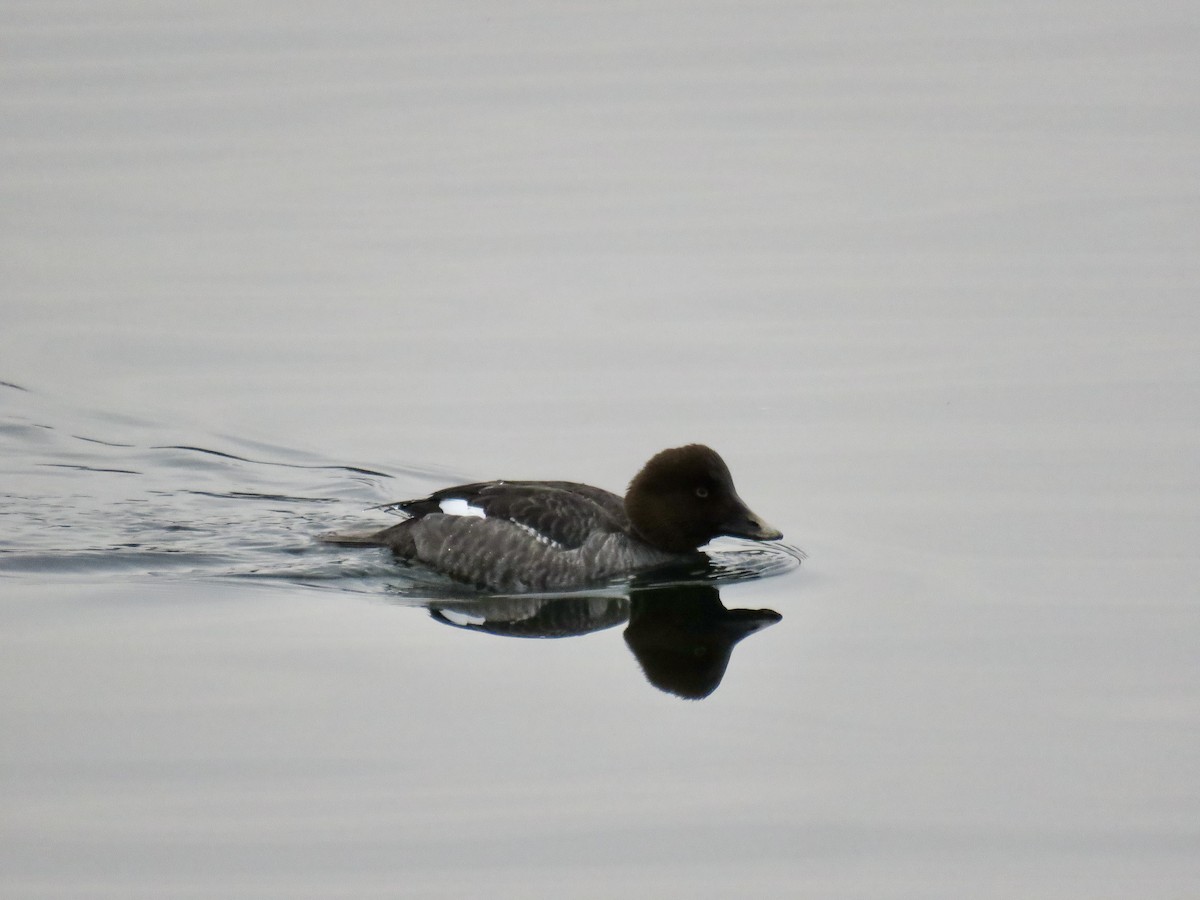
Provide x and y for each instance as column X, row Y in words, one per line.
column 680, row 632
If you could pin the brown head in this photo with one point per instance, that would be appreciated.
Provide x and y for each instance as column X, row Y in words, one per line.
column 684, row 497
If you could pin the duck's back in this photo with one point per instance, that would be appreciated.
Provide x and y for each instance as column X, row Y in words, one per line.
column 562, row 511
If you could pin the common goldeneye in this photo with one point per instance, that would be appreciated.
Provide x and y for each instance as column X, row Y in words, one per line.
column 514, row 536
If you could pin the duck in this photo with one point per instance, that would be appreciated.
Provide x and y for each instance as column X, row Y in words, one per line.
column 546, row 536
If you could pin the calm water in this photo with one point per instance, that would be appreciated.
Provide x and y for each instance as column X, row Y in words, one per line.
column 924, row 276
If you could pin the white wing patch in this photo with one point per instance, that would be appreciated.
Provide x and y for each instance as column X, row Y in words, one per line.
column 456, row 506
column 462, row 618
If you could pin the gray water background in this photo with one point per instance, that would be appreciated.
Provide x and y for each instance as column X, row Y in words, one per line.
column 924, row 274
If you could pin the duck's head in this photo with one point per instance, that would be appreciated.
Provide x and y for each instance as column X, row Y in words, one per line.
column 684, row 497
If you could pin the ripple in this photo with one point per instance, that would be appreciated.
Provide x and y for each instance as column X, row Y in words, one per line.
column 748, row 560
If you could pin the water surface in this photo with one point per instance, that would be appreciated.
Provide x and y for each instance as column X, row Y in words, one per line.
column 925, row 277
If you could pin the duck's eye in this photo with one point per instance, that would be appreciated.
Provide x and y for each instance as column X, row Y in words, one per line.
column 702, row 492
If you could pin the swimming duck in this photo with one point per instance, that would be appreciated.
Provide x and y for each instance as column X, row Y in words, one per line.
column 517, row 536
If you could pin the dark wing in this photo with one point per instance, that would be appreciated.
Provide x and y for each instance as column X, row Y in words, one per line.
column 561, row 511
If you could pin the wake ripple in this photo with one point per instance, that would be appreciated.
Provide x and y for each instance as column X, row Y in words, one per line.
column 93, row 496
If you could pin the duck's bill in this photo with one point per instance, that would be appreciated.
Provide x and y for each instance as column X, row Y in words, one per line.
column 746, row 524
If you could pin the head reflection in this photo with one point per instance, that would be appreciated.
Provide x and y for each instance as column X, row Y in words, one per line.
column 679, row 631
column 683, row 636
